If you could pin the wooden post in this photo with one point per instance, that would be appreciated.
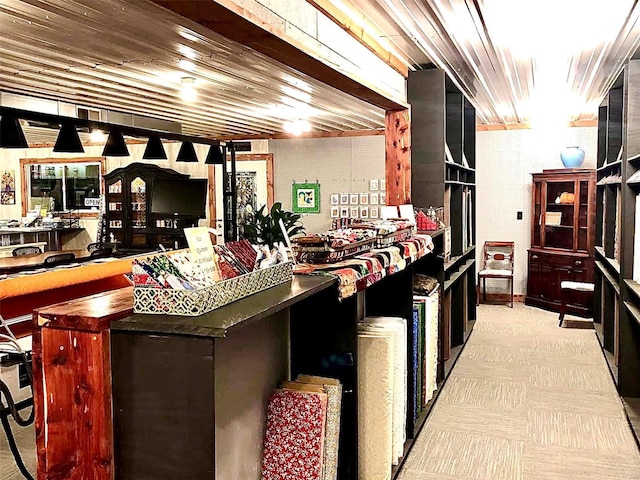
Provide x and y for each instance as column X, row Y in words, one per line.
column 398, row 156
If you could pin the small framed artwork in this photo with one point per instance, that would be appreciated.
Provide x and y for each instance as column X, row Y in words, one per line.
column 373, row 199
column 344, row 199
column 353, row 199
column 364, row 212
column 344, row 212
column 335, row 199
column 373, row 185
column 373, row 212
column 305, row 197
column 353, row 212
column 383, row 184
column 383, row 198
column 364, row 198
column 335, row 212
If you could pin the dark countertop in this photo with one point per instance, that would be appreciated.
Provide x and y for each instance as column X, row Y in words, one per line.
column 18, row 230
column 219, row 322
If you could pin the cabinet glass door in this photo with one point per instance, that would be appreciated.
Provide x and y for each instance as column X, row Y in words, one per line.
column 537, row 214
column 138, row 211
column 115, row 214
column 583, row 210
column 559, row 213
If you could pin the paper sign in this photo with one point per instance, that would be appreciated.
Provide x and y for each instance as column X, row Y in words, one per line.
column 201, row 249
column 388, row 211
column 406, row 211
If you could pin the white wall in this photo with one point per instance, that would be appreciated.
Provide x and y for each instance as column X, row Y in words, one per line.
column 341, row 165
column 505, row 160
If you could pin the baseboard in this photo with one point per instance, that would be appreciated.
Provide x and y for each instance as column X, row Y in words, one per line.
column 502, row 297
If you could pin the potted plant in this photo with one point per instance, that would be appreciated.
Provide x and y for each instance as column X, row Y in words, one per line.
column 264, row 229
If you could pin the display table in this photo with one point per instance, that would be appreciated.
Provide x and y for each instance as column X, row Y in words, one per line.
column 9, row 265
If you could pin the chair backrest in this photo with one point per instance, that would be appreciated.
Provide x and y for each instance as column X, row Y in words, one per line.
column 498, row 255
column 59, row 258
column 101, row 252
column 25, row 251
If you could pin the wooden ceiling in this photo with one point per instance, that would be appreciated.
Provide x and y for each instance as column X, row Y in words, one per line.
column 131, row 55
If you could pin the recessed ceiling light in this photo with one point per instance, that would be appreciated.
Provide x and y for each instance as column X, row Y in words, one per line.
column 187, row 90
column 186, row 65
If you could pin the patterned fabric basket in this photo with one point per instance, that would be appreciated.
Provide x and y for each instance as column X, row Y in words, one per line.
column 395, row 237
column 167, row 301
column 324, row 253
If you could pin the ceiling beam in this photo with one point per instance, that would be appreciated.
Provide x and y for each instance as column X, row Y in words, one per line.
column 289, row 136
column 236, row 26
column 359, row 33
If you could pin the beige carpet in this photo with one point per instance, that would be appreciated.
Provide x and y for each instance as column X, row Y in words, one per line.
column 526, row 401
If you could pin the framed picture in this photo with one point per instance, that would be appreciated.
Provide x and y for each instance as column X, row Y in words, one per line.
column 364, row 212
column 364, row 198
column 344, row 199
column 353, row 212
column 335, row 212
column 373, row 199
column 373, row 212
column 353, row 199
column 305, row 197
column 373, row 184
column 383, row 184
column 344, row 212
column 335, row 199
column 382, row 198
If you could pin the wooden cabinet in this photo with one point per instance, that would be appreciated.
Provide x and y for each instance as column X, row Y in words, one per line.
column 562, row 236
column 132, row 220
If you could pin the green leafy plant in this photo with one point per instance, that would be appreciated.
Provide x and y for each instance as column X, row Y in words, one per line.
column 263, row 227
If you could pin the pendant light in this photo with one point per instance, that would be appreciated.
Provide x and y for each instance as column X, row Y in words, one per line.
column 215, row 156
column 154, row 149
column 11, row 134
column 68, row 140
column 115, row 146
column 187, row 153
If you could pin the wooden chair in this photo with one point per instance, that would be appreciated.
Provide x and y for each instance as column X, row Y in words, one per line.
column 497, row 262
column 59, row 259
column 17, row 252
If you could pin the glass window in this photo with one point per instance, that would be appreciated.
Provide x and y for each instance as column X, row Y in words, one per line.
column 61, row 187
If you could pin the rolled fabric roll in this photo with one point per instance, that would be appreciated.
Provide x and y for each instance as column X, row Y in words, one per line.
column 375, row 404
column 399, row 326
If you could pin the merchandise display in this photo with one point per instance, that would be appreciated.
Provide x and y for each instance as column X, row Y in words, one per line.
column 356, row 273
column 303, row 430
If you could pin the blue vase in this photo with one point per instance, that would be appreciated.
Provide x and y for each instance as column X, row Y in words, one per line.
column 572, row 157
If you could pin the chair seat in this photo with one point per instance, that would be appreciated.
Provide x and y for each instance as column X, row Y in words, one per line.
column 496, row 273
column 581, row 286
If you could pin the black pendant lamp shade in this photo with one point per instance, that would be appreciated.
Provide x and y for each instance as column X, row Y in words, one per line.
column 115, row 146
column 11, row 134
column 187, row 153
column 215, row 156
column 155, row 149
column 68, row 140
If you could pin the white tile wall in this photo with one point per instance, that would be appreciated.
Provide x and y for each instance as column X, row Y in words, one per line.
column 505, row 160
column 341, row 165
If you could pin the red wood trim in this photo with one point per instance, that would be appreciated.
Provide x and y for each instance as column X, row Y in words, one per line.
column 398, row 157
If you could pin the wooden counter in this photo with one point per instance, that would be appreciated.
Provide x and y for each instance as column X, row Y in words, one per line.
column 9, row 265
column 72, row 375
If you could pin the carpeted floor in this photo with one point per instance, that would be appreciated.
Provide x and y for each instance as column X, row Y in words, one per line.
column 25, row 438
column 526, row 401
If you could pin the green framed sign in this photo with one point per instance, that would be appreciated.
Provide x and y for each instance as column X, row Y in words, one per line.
column 305, row 197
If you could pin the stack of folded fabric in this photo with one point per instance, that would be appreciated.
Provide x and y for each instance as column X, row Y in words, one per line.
column 303, row 429
column 382, row 401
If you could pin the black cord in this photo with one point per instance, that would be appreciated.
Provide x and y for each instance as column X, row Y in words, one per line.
column 14, row 448
column 14, row 410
